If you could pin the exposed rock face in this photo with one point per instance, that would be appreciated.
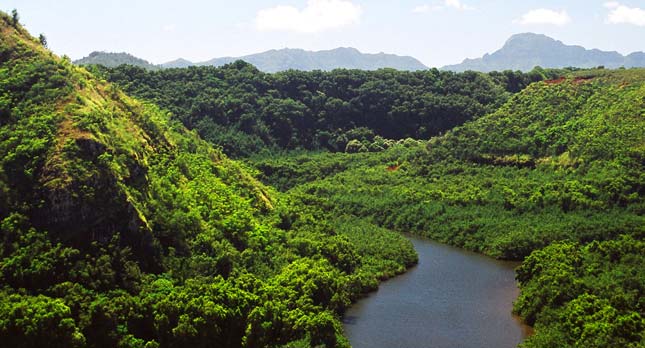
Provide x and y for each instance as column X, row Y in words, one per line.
column 88, row 205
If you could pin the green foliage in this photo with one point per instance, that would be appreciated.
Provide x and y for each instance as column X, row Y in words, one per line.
column 15, row 18
column 28, row 321
column 34, row 262
column 560, row 161
column 587, row 296
column 246, row 111
column 384, row 253
column 486, row 186
column 120, row 228
column 43, row 40
column 306, row 297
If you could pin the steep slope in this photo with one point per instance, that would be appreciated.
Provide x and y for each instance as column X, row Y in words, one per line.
column 339, row 58
column 110, row 59
column 118, row 227
column 587, row 134
column 86, row 152
column 526, row 51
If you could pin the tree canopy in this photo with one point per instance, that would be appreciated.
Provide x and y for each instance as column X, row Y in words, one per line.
column 246, row 111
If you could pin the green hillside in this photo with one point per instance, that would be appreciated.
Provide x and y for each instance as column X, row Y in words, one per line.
column 559, row 167
column 121, row 227
column 118, row 227
column 246, row 111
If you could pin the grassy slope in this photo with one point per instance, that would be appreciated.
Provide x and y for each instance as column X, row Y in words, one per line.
column 121, row 228
column 89, row 153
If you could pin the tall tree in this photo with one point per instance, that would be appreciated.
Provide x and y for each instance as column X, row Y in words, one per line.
column 43, row 40
column 15, row 18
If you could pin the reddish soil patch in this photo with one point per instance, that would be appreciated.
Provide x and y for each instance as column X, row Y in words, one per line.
column 555, row 81
column 393, row 168
column 579, row 80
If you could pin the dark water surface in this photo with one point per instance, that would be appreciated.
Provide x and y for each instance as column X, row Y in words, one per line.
column 452, row 299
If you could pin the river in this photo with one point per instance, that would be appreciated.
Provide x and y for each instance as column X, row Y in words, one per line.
column 452, row 299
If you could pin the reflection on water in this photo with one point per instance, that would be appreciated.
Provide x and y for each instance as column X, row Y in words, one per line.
column 453, row 298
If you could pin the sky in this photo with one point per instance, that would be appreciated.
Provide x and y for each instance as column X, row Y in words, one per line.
column 437, row 32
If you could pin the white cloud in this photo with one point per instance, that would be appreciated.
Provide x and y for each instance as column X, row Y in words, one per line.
column 621, row 14
column 317, row 16
column 458, row 5
column 544, row 16
column 421, row 9
column 454, row 4
column 169, row 28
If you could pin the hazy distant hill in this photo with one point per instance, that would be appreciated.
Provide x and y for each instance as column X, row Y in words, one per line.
column 298, row 59
column 112, row 60
column 276, row 60
column 528, row 50
column 178, row 63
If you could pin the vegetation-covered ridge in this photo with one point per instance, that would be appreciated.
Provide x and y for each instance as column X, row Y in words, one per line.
column 118, row 227
column 246, row 111
column 559, row 166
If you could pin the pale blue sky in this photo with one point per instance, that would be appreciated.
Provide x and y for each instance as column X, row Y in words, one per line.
column 437, row 32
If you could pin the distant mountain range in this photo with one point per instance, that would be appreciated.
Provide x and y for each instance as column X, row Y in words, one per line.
column 520, row 52
column 276, row 60
column 526, row 51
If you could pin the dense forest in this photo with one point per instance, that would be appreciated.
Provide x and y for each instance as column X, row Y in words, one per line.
column 121, row 228
column 554, row 177
column 123, row 221
column 246, row 111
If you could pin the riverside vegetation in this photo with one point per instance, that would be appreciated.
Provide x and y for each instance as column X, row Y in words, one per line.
column 120, row 227
column 554, row 177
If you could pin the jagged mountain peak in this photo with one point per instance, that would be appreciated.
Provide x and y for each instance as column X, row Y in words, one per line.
column 525, row 51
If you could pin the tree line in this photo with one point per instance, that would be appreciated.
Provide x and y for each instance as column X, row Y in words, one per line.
column 246, row 111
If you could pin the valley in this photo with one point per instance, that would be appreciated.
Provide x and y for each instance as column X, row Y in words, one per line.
column 230, row 207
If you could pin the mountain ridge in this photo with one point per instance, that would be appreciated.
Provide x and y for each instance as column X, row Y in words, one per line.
column 276, row 60
column 525, row 51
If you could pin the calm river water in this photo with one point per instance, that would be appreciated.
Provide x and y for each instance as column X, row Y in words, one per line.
column 452, row 299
